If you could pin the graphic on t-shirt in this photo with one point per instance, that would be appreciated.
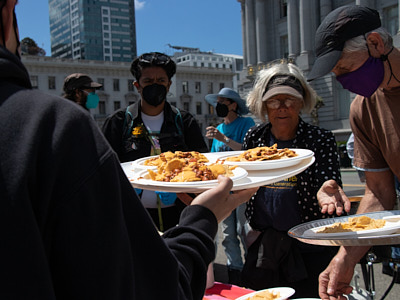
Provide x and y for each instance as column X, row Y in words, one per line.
column 286, row 184
column 155, row 143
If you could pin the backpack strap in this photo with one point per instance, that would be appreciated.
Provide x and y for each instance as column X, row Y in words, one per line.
column 128, row 123
column 178, row 119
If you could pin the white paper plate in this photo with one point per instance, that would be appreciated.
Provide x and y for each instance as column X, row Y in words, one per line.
column 144, row 178
column 353, row 240
column 391, row 226
column 269, row 164
column 285, row 293
column 253, row 179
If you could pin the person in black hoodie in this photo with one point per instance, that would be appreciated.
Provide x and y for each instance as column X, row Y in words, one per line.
column 71, row 225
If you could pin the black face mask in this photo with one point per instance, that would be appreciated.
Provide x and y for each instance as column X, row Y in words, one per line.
column 222, row 110
column 154, row 94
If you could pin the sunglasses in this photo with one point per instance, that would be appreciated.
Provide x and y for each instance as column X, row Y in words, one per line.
column 155, row 58
column 275, row 103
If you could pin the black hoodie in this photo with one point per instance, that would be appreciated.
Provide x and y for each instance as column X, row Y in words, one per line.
column 71, row 225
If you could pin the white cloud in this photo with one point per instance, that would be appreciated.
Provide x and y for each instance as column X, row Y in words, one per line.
column 139, row 4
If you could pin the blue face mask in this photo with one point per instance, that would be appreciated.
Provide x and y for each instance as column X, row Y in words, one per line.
column 92, row 100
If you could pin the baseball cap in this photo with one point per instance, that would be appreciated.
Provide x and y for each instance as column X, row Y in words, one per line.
column 283, row 84
column 340, row 25
column 79, row 80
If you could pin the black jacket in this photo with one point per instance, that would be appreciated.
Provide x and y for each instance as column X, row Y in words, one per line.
column 179, row 132
column 71, row 225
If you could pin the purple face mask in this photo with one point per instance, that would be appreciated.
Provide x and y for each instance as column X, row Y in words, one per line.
column 365, row 80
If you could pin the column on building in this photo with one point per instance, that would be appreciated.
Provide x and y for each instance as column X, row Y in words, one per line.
column 325, row 8
column 244, row 35
column 261, row 34
column 308, row 14
column 367, row 3
column 293, row 28
column 398, row 16
column 251, row 45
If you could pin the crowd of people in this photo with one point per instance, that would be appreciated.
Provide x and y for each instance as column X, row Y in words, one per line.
column 73, row 227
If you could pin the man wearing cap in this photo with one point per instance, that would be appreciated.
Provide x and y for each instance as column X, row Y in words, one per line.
column 81, row 89
column 229, row 136
column 351, row 43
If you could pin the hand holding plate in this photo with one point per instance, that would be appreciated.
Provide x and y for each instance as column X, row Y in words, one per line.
column 219, row 199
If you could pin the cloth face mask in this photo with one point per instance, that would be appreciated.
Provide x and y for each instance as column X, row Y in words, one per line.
column 365, row 80
column 154, row 94
column 92, row 100
column 222, row 110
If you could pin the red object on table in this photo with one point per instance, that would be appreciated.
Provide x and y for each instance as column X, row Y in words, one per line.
column 221, row 291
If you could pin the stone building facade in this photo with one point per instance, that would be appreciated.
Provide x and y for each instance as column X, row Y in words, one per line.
column 285, row 29
column 189, row 85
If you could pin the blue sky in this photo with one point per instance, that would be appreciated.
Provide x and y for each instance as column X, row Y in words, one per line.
column 211, row 25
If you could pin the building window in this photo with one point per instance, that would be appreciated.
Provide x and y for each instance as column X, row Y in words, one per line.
column 34, row 82
column 186, row 106
column 198, row 108
column 390, row 19
column 210, row 88
column 116, row 84
column 198, row 87
column 173, row 103
column 102, row 108
column 117, row 105
column 52, row 82
column 283, row 8
column 101, row 81
column 284, row 49
column 221, row 85
column 210, row 109
column 131, row 87
column 185, row 87
column 344, row 101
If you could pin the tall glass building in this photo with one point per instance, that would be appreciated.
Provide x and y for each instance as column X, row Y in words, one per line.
column 93, row 29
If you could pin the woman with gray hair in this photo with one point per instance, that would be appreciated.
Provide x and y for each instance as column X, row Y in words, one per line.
column 280, row 94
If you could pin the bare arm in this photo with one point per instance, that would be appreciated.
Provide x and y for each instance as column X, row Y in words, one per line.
column 214, row 133
column 379, row 195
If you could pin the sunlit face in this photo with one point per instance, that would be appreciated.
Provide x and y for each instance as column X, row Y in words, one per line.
column 350, row 62
column 284, row 116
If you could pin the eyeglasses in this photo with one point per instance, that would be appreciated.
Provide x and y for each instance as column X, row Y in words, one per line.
column 155, row 58
column 275, row 103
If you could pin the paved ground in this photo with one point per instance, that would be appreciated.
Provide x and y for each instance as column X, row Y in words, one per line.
column 352, row 187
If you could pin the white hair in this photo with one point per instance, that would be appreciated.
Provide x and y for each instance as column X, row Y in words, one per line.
column 254, row 98
column 359, row 43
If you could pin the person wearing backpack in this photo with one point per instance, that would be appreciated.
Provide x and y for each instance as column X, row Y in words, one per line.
column 152, row 126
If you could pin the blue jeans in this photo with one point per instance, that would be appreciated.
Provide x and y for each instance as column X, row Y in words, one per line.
column 233, row 231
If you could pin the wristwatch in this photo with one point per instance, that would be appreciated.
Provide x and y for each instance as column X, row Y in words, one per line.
column 227, row 140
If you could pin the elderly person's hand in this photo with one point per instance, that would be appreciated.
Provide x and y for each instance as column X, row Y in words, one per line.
column 331, row 198
column 219, row 199
column 214, row 133
column 334, row 281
